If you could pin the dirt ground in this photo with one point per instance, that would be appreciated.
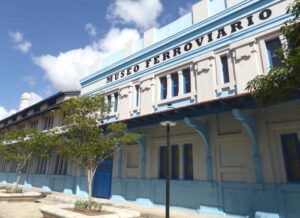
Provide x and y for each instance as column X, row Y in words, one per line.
column 19, row 210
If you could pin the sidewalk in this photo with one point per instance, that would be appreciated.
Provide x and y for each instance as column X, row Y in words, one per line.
column 155, row 211
column 30, row 209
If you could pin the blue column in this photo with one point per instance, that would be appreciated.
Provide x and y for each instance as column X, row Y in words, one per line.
column 202, row 130
column 120, row 152
column 249, row 124
column 142, row 143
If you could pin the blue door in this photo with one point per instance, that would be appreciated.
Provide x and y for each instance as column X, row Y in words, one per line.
column 102, row 180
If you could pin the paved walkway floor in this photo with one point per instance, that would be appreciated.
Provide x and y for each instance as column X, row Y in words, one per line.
column 30, row 209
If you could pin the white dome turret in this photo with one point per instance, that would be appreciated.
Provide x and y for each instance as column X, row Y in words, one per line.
column 24, row 103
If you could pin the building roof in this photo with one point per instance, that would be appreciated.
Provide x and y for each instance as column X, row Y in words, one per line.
column 38, row 105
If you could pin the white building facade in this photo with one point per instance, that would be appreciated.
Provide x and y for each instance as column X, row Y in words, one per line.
column 228, row 154
column 53, row 173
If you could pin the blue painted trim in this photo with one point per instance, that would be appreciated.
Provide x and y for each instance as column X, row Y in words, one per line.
column 202, row 24
column 216, row 6
column 202, row 130
column 120, row 153
column 224, row 18
column 144, row 201
column 226, row 92
column 211, row 210
column 117, row 198
column 249, row 124
column 142, row 143
column 245, row 33
column 238, row 199
column 61, row 183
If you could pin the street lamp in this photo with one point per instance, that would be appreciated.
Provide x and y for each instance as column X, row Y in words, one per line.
column 168, row 124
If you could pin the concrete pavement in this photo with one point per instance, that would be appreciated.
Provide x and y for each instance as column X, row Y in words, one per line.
column 30, row 209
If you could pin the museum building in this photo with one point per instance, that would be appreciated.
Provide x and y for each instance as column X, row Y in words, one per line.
column 228, row 154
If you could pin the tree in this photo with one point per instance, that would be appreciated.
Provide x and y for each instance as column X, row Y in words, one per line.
column 281, row 82
column 22, row 145
column 84, row 142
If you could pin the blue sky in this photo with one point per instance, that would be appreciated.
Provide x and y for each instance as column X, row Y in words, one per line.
column 45, row 46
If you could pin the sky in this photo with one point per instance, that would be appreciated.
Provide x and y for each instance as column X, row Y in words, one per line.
column 46, row 46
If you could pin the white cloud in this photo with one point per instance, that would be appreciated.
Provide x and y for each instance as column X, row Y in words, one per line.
column 66, row 69
column 142, row 13
column 16, row 37
column 185, row 10
column 24, row 47
column 34, row 98
column 19, row 42
column 116, row 39
column 90, row 29
column 6, row 113
column 31, row 80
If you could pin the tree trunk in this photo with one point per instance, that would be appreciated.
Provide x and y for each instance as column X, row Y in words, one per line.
column 19, row 170
column 18, row 180
column 89, row 187
column 20, row 167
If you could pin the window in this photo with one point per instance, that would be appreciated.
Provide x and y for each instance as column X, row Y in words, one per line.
column 41, row 166
column 116, row 98
column 108, row 102
column 25, row 168
column 272, row 46
column 137, row 95
column 13, row 166
column 188, row 161
column 175, row 162
column 291, row 152
column 174, row 79
column 34, row 124
column 48, row 123
column 186, row 81
column 162, row 162
column 163, row 87
column 225, row 70
column 2, row 164
column 60, row 166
